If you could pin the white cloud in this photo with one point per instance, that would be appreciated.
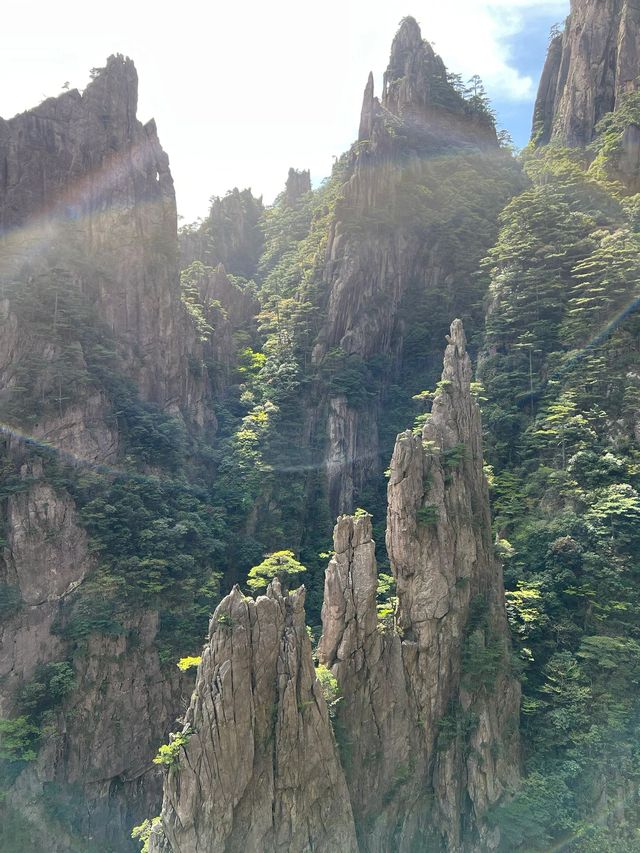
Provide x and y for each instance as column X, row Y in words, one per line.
column 242, row 90
column 482, row 42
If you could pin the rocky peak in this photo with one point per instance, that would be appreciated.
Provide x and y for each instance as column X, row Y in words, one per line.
column 112, row 94
column 368, row 110
column 589, row 67
column 298, row 184
column 259, row 768
column 88, row 234
column 429, row 745
column 451, row 608
column 376, row 249
column 409, row 77
column 230, row 235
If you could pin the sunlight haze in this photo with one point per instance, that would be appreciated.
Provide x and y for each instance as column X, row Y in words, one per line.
column 242, row 91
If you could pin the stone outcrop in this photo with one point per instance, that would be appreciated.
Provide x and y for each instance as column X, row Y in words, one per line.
column 377, row 247
column 230, row 235
column 87, row 211
column 429, row 714
column 298, row 184
column 374, row 716
column 86, row 192
column 589, row 68
column 260, row 769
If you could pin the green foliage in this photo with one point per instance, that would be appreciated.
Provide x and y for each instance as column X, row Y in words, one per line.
column 386, row 602
column 21, row 737
column 560, row 380
column 169, row 753
column 281, row 565
column 427, row 514
column 18, row 739
column 361, row 513
column 454, row 456
column 193, row 281
column 610, row 133
column 156, row 541
column 482, row 660
column 483, row 651
column 10, row 600
column 142, row 832
column 187, row 663
column 330, row 689
column 456, row 724
column 347, row 374
column 51, row 683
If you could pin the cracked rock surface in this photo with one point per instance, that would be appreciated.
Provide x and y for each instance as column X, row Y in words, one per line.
column 260, row 770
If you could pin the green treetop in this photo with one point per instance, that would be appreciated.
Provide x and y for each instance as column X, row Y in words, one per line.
column 282, row 565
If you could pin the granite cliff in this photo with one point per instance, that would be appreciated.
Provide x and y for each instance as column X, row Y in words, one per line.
column 173, row 405
column 427, row 719
column 385, row 246
column 96, row 348
column 590, row 66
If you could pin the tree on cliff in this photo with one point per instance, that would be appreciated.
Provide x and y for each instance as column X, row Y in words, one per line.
column 281, row 565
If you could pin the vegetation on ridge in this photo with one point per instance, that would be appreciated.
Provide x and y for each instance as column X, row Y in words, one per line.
column 561, row 380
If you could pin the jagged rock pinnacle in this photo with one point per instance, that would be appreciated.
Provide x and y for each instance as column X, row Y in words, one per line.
column 589, row 67
column 413, row 65
column 113, row 92
column 368, row 110
column 260, row 769
column 400, row 684
column 298, row 184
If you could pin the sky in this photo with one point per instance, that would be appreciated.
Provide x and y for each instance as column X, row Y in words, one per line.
column 241, row 89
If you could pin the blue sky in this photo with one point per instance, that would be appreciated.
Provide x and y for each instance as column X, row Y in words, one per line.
column 243, row 90
column 528, row 49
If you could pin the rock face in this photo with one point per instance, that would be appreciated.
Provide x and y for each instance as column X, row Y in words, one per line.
column 298, row 184
column 427, row 719
column 230, row 235
column 378, row 248
column 90, row 304
column 86, row 191
column 589, row 68
column 430, row 710
column 373, row 717
column 260, row 769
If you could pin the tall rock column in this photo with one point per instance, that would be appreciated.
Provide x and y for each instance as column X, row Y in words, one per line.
column 451, row 612
column 589, row 68
column 259, row 770
column 429, row 712
column 374, row 721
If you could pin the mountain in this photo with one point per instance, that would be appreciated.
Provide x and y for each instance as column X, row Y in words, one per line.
column 98, row 396
column 427, row 719
column 186, row 410
column 590, row 66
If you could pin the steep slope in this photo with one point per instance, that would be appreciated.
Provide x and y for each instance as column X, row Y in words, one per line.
column 429, row 717
column 560, row 370
column 86, row 194
column 97, row 386
column 406, row 231
column 589, row 68
column 358, row 281
column 257, row 768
